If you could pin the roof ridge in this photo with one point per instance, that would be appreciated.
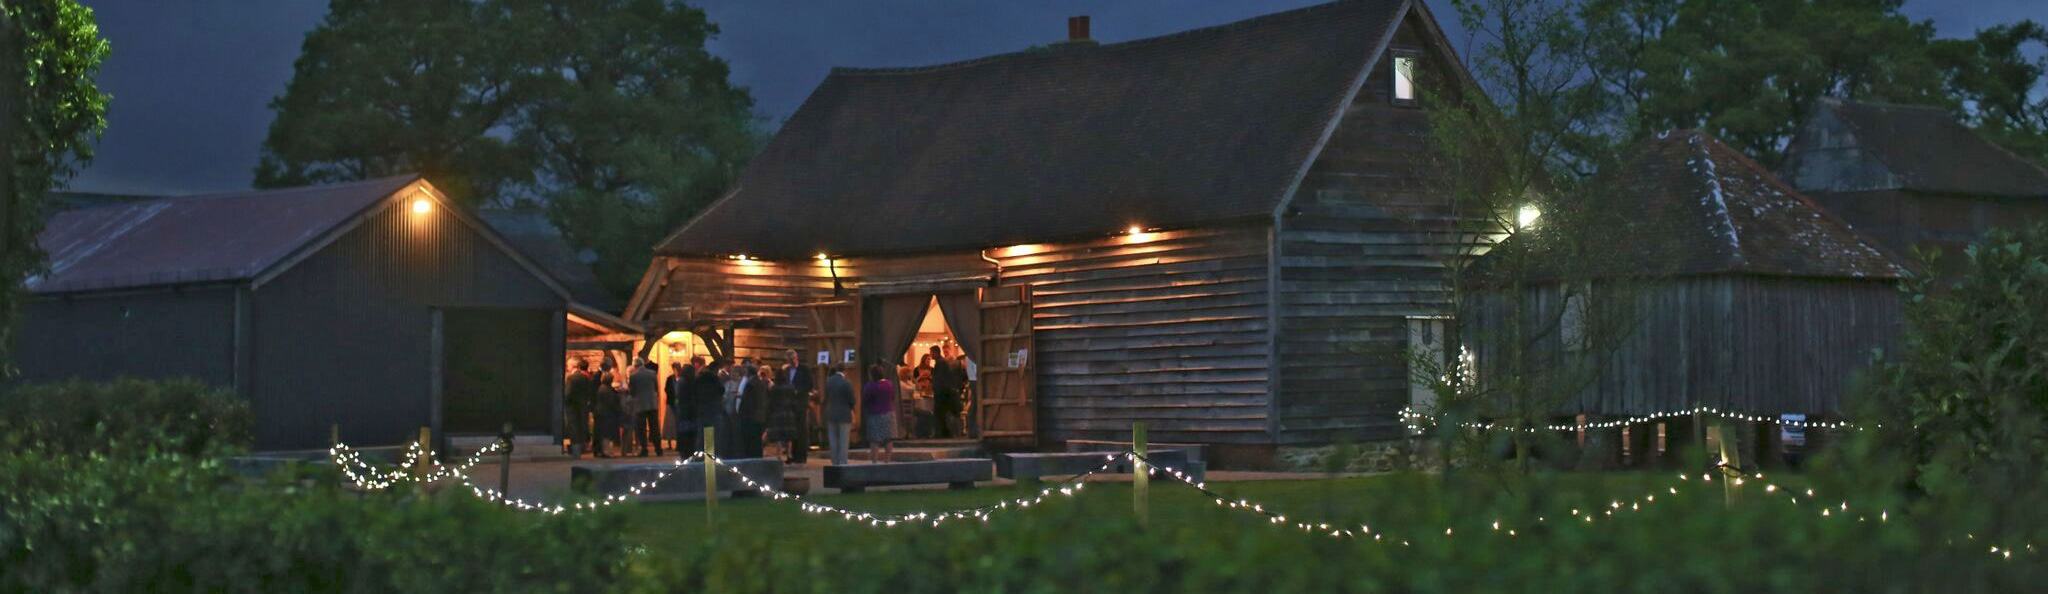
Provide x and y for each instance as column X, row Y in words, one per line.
column 1053, row 50
column 1702, row 145
column 408, row 177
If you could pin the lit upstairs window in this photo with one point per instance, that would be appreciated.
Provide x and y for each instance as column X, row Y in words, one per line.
column 1404, row 78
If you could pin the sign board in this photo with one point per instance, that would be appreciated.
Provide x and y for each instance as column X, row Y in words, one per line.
column 849, row 357
column 1018, row 358
column 973, row 371
column 824, row 357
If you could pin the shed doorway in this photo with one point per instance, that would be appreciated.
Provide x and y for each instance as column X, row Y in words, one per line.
column 497, row 366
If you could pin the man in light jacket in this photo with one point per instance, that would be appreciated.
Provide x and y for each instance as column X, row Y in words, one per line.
column 645, row 386
column 838, row 413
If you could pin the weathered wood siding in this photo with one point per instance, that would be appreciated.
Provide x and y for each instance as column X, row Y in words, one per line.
column 1765, row 345
column 1166, row 327
column 1363, row 249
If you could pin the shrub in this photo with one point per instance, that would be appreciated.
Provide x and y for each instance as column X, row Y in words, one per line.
column 183, row 416
column 171, row 523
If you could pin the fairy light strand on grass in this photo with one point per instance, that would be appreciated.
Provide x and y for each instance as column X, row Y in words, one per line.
column 1419, row 422
column 371, row 478
column 1068, row 488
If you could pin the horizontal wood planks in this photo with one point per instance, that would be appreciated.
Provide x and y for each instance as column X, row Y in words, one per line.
column 1362, row 249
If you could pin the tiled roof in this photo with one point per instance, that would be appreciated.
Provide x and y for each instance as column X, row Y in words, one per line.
column 1074, row 140
column 1928, row 150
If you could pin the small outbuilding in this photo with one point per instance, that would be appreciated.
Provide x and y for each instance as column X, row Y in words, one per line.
column 377, row 306
column 1912, row 176
column 1747, row 295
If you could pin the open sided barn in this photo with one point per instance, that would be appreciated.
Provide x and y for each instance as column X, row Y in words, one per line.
column 1748, row 296
column 375, row 305
column 1221, row 232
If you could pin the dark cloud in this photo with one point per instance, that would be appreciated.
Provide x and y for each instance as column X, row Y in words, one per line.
column 192, row 79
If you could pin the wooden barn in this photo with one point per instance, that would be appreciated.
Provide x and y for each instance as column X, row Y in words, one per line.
column 1220, row 232
column 1748, row 296
column 1912, row 176
column 374, row 305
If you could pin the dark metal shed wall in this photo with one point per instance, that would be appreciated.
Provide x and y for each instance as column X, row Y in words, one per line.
column 154, row 334
column 345, row 336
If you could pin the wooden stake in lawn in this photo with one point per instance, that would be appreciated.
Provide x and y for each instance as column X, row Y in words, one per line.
column 1731, row 461
column 419, row 466
column 710, row 476
column 1140, row 472
column 505, row 461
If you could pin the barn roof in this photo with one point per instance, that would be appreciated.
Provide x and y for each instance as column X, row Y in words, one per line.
column 533, row 235
column 1074, row 140
column 1926, row 149
column 241, row 236
column 1695, row 206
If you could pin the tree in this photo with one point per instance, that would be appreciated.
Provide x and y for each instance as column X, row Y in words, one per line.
column 52, row 111
column 2001, row 89
column 610, row 114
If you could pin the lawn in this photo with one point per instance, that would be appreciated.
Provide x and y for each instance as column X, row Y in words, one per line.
column 1388, row 503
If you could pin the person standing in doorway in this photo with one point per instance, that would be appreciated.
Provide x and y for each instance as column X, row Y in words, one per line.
column 946, row 380
column 609, row 409
column 682, row 412
column 578, row 390
column 800, row 381
column 645, row 384
column 878, row 414
column 838, row 413
column 707, row 398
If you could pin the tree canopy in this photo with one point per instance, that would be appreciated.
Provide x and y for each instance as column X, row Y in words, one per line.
column 52, row 110
column 610, row 114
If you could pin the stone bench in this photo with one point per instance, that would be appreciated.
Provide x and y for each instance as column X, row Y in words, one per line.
column 685, row 481
column 1035, row 466
column 958, row 473
column 1196, row 452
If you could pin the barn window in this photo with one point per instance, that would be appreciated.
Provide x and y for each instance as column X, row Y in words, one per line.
column 1572, row 325
column 1404, row 78
column 1425, row 356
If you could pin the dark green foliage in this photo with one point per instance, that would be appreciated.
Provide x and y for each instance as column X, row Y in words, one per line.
column 125, row 417
column 610, row 114
column 1964, row 399
column 50, row 113
column 173, row 523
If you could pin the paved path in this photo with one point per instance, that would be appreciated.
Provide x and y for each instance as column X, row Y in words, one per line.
column 548, row 480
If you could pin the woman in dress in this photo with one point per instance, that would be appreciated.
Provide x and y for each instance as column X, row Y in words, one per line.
column 784, row 408
column 878, row 415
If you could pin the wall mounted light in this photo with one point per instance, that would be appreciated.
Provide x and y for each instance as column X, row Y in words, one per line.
column 422, row 205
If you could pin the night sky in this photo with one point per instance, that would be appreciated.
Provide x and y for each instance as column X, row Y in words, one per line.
column 192, row 79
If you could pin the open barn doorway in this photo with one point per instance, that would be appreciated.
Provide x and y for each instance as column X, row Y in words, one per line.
column 934, row 371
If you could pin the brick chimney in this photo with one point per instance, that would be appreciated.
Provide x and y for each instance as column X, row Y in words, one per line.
column 1077, row 30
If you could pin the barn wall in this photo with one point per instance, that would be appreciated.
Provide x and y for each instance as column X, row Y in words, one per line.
column 1362, row 249
column 155, row 334
column 1901, row 220
column 1803, row 341
column 1167, row 327
column 1764, row 345
column 345, row 336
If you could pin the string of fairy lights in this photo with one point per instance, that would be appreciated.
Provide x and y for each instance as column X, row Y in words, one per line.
column 1419, row 422
column 372, row 478
column 375, row 479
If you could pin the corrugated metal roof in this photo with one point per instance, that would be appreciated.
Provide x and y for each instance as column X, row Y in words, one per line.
column 1199, row 126
column 196, row 239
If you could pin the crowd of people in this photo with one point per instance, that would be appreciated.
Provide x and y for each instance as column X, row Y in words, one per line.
column 751, row 405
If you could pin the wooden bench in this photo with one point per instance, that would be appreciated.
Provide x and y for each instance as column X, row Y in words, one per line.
column 683, row 482
column 1035, row 466
column 958, row 473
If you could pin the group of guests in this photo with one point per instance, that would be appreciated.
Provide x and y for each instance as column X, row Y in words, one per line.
column 749, row 405
column 611, row 414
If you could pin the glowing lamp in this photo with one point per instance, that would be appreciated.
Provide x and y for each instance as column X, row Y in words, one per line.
column 1527, row 216
column 1134, row 230
column 822, row 256
column 422, row 206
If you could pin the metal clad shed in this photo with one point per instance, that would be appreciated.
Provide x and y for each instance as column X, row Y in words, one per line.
column 323, row 305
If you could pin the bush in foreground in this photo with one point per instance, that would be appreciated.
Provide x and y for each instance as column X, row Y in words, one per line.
column 178, row 416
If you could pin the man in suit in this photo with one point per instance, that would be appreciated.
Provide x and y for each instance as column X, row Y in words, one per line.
column 578, row 390
column 707, row 396
column 798, row 378
column 946, row 380
column 645, row 385
column 753, row 411
column 838, row 413
column 676, row 392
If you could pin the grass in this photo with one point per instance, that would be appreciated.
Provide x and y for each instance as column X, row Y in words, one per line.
column 1385, row 502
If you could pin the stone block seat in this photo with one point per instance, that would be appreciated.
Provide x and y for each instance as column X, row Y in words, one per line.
column 686, row 481
column 958, row 473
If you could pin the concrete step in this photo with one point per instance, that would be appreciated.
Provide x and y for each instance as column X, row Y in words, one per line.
column 922, row 454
